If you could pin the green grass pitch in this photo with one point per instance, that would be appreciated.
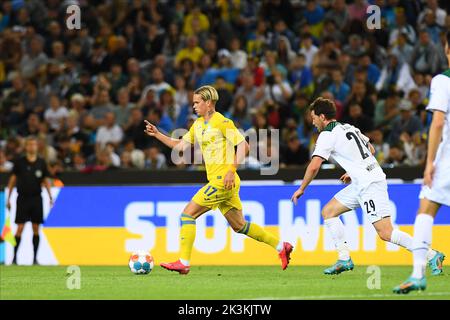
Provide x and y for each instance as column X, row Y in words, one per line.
column 210, row 282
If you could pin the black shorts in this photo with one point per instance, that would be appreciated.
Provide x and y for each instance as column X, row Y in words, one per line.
column 29, row 209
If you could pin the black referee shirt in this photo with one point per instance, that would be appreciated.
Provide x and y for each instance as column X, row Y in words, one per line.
column 29, row 176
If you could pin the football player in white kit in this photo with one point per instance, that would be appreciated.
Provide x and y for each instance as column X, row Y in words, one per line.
column 436, row 178
column 368, row 188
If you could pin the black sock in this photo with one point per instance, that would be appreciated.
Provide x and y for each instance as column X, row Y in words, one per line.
column 17, row 246
column 35, row 245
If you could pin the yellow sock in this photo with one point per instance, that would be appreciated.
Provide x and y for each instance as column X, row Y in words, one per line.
column 187, row 236
column 256, row 232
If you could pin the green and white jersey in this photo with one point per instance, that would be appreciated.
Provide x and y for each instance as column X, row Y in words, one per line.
column 350, row 149
column 440, row 100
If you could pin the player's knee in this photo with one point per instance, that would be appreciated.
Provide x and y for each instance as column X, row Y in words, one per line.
column 385, row 235
column 327, row 212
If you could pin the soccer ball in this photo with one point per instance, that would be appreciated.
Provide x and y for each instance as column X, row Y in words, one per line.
column 141, row 262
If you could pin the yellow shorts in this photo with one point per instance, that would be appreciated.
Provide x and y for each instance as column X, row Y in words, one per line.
column 213, row 197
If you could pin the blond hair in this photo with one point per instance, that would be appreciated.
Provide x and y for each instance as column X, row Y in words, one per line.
column 207, row 93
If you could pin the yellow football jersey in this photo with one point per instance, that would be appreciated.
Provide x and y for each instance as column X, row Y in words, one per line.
column 217, row 139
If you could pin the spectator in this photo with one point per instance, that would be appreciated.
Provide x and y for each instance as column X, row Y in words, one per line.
column 238, row 57
column 168, row 105
column 407, row 122
column 402, row 28
column 34, row 98
column 373, row 72
column 254, row 68
column 273, row 11
column 439, row 13
column 173, row 42
column 117, row 79
column 326, row 58
column 115, row 159
column 137, row 156
column 339, row 88
column 330, row 29
column 431, row 26
column 151, row 42
column 308, row 49
column 354, row 48
column 31, row 127
column 339, row 14
column 101, row 106
column 395, row 75
column 396, row 157
column 278, row 89
column 386, row 110
column 5, row 165
column 154, row 159
column 381, row 147
column 226, row 98
column 314, row 15
column 284, row 51
column 358, row 10
column 240, row 114
column 359, row 95
column 181, row 92
column 295, row 154
column 79, row 162
column 134, row 130
column 101, row 162
column 402, row 49
column 109, row 132
column 12, row 111
column 192, row 51
column 152, row 55
column 424, row 57
column 282, row 30
column 123, row 108
column 83, row 87
column 99, row 60
column 34, row 59
column 56, row 114
column 358, row 119
column 79, row 140
column 195, row 16
column 415, row 148
column 158, row 84
column 65, row 152
column 258, row 39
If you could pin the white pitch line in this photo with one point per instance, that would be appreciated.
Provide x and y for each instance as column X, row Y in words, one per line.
column 419, row 295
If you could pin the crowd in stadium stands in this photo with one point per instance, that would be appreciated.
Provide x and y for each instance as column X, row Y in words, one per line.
column 85, row 93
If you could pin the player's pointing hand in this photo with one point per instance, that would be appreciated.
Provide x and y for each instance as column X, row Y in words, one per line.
column 297, row 194
column 150, row 129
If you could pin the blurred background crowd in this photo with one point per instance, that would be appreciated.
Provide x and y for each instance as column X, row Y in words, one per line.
column 85, row 93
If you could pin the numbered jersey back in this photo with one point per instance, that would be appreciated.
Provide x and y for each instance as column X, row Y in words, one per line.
column 350, row 149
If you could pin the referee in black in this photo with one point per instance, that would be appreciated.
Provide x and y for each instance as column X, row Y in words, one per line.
column 29, row 174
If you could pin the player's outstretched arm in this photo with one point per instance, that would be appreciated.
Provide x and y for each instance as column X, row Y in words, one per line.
column 435, row 137
column 311, row 172
column 153, row 131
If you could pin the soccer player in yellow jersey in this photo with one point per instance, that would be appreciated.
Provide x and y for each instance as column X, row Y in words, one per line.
column 217, row 137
